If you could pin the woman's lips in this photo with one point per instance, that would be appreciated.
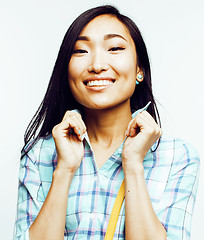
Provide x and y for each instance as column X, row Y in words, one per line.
column 95, row 83
column 99, row 82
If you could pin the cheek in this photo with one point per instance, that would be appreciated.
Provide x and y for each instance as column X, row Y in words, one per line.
column 74, row 70
column 73, row 75
column 125, row 65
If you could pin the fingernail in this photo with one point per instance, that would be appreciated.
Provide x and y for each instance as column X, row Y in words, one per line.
column 82, row 137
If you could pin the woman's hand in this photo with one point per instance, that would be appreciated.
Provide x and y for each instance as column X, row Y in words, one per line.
column 68, row 140
column 142, row 132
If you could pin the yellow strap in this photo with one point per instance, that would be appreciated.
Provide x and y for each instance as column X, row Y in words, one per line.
column 115, row 213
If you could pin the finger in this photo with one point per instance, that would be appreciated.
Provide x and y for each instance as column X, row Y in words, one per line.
column 142, row 123
column 137, row 125
column 81, row 128
column 127, row 133
column 64, row 128
column 133, row 124
column 76, row 117
column 69, row 114
column 145, row 115
column 148, row 117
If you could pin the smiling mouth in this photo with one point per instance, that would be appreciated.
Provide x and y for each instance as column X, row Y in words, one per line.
column 99, row 83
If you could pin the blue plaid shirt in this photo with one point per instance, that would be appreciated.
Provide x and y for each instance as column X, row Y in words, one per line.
column 171, row 174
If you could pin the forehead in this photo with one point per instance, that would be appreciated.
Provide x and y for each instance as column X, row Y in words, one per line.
column 105, row 24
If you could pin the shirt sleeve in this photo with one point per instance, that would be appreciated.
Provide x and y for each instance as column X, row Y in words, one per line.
column 30, row 200
column 178, row 199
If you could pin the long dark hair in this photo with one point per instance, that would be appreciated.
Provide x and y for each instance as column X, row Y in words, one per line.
column 58, row 98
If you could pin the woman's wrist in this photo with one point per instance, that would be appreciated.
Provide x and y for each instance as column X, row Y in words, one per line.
column 133, row 167
column 63, row 176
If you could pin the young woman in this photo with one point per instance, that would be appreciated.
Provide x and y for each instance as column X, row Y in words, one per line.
column 84, row 140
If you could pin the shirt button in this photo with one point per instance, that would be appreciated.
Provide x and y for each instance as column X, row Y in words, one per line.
column 95, row 178
column 92, row 217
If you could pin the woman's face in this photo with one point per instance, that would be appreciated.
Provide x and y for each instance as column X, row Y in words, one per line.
column 102, row 70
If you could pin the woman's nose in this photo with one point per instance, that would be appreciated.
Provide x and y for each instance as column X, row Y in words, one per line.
column 98, row 63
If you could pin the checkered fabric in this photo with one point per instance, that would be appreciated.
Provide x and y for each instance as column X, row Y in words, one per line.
column 171, row 174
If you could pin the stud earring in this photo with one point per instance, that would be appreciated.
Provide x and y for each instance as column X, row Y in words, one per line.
column 139, row 77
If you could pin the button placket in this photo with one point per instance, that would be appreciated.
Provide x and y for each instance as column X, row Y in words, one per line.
column 92, row 215
column 95, row 178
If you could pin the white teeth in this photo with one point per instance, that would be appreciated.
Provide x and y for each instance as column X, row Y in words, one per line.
column 99, row 83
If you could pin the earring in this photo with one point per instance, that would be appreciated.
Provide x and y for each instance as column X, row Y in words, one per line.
column 139, row 77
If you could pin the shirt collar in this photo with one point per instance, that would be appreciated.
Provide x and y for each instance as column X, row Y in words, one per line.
column 86, row 137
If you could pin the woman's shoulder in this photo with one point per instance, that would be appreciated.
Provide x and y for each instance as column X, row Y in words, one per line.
column 38, row 162
column 181, row 151
column 40, row 148
column 172, row 156
column 175, row 143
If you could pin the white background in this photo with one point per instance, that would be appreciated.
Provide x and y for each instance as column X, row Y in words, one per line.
column 30, row 35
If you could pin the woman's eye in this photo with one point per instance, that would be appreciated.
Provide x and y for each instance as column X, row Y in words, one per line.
column 79, row 51
column 114, row 49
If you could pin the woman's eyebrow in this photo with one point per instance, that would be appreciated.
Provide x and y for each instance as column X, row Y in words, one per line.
column 106, row 37
column 83, row 38
column 113, row 35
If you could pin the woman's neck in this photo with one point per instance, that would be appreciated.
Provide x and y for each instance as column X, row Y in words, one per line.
column 107, row 126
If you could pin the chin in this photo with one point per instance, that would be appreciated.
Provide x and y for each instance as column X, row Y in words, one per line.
column 103, row 103
column 103, row 106
column 99, row 107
